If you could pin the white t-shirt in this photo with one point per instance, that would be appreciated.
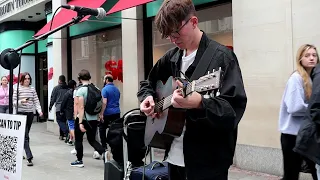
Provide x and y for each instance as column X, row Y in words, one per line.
column 175, row 155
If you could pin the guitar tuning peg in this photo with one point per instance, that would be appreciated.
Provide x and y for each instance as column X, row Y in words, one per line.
column 218, row 93
column 208, row 72
column 206, row 96
column 213, row 70
column 212, row 94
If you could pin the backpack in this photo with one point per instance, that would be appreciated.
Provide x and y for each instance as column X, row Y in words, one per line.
column 94, row 100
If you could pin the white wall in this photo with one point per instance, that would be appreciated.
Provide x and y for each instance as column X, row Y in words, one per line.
column 266, row 36
column 57, row 56
column 132, row 53
column 51, row 83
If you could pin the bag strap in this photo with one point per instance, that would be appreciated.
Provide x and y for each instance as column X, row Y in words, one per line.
column 157, row 163
column 84, row 107
column 205, row 60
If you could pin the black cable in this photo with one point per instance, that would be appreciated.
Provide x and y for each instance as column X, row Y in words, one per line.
column 185, row 77
column 18, row 83
column 54, row 14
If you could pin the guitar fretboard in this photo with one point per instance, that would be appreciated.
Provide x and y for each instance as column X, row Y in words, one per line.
column 166, row 102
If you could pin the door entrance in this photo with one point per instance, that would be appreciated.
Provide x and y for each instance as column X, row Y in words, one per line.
column 43, row 84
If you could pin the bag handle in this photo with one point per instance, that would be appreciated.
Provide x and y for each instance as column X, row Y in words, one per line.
column 160, row 163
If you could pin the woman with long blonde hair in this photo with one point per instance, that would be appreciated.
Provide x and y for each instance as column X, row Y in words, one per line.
column 293, row 109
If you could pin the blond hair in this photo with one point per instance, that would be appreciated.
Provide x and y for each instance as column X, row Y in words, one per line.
column 302, row 70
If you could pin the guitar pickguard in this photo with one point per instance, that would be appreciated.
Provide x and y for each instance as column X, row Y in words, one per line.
column 158, row 124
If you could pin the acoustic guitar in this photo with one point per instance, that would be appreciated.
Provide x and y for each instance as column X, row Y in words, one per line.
column 162, row 129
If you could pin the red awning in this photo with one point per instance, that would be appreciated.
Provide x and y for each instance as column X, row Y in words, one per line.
column 65, row 15
column 126, row 4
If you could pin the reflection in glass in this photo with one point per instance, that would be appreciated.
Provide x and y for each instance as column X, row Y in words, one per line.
column 100, row 54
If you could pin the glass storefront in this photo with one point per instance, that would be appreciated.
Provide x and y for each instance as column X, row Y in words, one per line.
column 100, row 54
column 216, row 22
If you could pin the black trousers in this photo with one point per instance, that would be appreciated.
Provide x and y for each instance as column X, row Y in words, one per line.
column 179, row 173
column 91, row 129
column 62, row 122
column 292, row 161
column 103, row 126
column 27, row 149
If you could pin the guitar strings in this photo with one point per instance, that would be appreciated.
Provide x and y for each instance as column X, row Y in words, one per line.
column 160, row 104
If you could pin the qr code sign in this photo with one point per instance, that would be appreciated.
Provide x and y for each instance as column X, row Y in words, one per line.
column 8, row 151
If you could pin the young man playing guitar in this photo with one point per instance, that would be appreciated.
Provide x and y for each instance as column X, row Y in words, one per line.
column 206, row 148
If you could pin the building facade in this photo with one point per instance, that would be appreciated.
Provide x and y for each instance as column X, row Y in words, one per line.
column 265, row 36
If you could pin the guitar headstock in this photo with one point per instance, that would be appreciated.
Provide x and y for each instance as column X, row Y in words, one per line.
column 208, row 82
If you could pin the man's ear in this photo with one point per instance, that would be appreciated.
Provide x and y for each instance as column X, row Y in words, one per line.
column 194, row 21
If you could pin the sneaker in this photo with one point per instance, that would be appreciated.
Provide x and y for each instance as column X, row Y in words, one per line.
column 29, row 163
column 96, row 155
column 70, row 143
column 61, row 138
column 67, row 139
column 77, row 164
column 74, row 151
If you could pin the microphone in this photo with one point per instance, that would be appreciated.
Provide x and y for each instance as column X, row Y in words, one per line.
column 99, row 13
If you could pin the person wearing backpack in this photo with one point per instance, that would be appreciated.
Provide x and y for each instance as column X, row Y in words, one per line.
column 88, row 101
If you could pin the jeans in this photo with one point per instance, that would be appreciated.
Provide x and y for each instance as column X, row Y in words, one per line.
column 27, row 149
column 62, row 122
column 91, row 129
column 4, row 109
column 318, row 170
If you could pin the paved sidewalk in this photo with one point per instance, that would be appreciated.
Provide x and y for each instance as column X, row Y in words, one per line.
column 52, row 161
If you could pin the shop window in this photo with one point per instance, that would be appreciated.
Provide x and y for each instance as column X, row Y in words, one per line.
column 84, row 47
column 100, row 54
column 216, row 22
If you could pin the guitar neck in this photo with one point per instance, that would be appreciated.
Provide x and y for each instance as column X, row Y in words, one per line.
column 163, row 104
column 166, row 102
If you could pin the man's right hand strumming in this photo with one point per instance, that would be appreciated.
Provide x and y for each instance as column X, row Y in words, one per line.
column 147, row 106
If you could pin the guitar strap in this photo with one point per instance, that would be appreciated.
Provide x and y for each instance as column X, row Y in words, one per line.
column 205, row 61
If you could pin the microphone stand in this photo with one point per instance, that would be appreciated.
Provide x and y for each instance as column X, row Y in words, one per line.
column 10, row 59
